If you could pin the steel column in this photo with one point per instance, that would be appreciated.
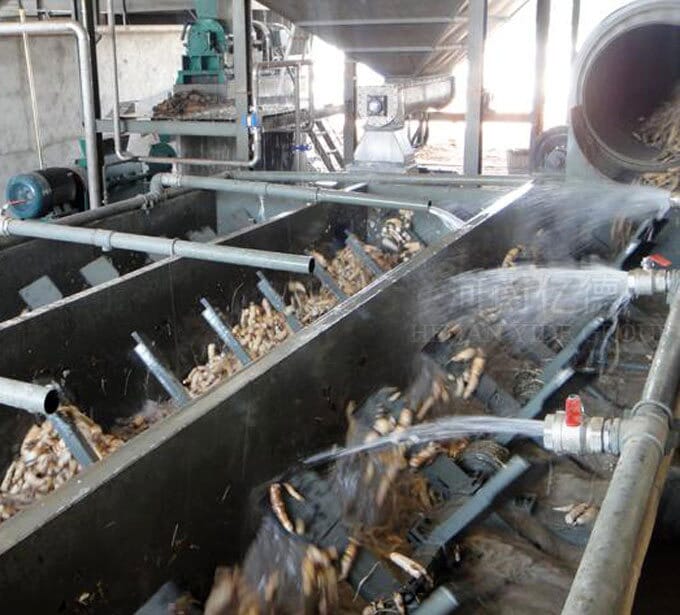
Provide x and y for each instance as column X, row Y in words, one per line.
column 350, row 128
column 88, row 10
column 477, row 11
column 240, row 18
column 542, row 28
column 575, row 23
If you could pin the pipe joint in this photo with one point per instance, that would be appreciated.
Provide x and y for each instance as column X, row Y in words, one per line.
column 652, row 406
column 160, row 181
column 594, row 435
column 644, row 283
column 651, row 420
column 605, row 435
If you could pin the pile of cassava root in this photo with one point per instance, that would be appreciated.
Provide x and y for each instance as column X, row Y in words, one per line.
column 44, row 462
column 661, row 130
column 260, row 328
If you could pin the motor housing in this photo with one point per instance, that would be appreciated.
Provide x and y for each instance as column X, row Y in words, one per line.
column 40, row 193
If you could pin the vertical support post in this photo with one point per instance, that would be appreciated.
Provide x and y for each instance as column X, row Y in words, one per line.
column 298, row 118
column 241, row 18
column 575, row 22
column 477, row 21
column 542, row 27
column 350, row 98
column 88, row 16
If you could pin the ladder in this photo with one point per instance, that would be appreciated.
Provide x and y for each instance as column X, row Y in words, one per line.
column 326, row 145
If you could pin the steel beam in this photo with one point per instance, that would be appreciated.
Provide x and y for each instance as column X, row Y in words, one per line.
column 173, row 127
column 241, row 16
column 401, row 49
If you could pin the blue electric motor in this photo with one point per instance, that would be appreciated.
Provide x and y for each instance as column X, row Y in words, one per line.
column 40, row 193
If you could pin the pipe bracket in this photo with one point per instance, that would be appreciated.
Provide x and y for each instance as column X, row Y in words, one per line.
column 103, row 238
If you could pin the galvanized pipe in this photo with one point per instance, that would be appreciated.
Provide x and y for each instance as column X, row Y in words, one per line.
column 32, row 398
column 645, row 283
column 297, row 193
column 610, row 568
column 434, row 179
column 117, row 137
column 109, row 240
column 32, row 91
column 86, row 88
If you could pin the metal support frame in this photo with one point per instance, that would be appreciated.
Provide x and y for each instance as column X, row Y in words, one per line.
column 243, row 86
column 296, row 65
column 488, row 116
column 241, row 15
column 442, row 535
column 542, row 28
column 350, row 98
column 173, row 127
column 478, row 12
column 86, row 85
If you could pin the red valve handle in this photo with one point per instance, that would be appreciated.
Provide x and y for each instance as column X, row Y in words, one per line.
column 574, row 411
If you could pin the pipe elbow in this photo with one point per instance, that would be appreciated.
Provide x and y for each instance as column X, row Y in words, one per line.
column 160, row 181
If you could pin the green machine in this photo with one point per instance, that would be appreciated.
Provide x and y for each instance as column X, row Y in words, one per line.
column 205, row 45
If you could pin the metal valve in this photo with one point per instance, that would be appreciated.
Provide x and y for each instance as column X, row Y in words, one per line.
column 645, row 283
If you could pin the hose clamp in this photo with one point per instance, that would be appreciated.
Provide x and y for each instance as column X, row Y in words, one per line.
column 103, row 238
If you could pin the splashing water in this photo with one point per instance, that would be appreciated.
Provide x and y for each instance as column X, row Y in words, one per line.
column 446, row 428
column 527, row 301
column 448, row 220
column 567, row 220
